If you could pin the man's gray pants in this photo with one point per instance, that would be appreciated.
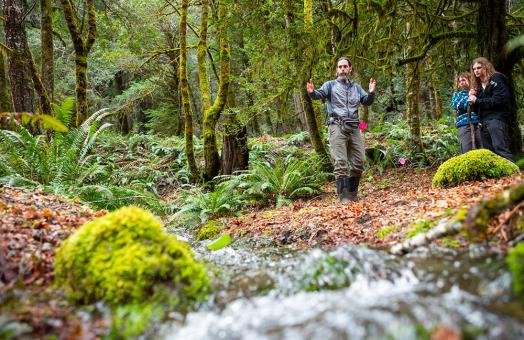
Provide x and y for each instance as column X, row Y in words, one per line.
column 346, row 145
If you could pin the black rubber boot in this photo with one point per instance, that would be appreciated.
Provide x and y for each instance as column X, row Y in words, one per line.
column 340, row 184
column 342, row 189
column 352, row 185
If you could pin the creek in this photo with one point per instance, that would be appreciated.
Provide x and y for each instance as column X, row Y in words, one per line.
column 353, row 292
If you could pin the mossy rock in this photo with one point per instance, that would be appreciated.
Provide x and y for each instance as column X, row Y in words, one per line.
column 475, row 165
column 515, row 262
column 209, row 231
column 127, row 257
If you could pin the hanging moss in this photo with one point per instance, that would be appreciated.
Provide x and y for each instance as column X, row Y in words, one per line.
column 126, row 257
column 515, row 262
column 475, row 165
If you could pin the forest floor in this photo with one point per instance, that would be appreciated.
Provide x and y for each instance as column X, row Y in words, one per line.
column 33, row 224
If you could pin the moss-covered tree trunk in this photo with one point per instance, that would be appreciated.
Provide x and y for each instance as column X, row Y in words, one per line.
column 437, row 98
column 212, row 114
column 18, row 68
column 310, row 116
column 235, row 152
column 202, row 57
column 308, row 16
column 412, row 104
column 82, row 44
column 184, row 93
column 6, row 104
column 45, row 103
column 312, row 124
column 46, row 36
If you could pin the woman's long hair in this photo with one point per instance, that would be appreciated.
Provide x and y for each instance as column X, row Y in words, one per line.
column 488, row 67
column 467, row 75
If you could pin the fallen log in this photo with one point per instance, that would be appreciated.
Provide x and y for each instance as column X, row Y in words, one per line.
column 474, row 221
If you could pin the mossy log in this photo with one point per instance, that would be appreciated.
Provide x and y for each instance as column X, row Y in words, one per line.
column 474, row 221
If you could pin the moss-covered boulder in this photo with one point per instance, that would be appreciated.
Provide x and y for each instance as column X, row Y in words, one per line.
column 515, row 261
column 475, row 165
column 127, row 257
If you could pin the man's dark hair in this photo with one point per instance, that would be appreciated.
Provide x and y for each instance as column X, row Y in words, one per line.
column 343, row 58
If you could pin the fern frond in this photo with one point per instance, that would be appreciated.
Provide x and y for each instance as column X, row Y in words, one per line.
column 90, row 141
column 65, row 111
column 86, row 125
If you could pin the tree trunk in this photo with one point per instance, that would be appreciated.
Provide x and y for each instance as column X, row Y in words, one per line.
column 48, row 69
column 82, row 46
column 212, row 114
column 45, row 103
column 235, row 152
column 437, row 99
column 492, row 36
column 184, row 91
column 308, row 16
column 19, row 69
column 491, row 31
column 6, row 104
column 412, row 104
column 312, row 125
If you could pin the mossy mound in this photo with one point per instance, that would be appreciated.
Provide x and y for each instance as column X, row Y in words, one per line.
column 209, row 231
column 475, row 165
column 127, row 257
column 515, row 262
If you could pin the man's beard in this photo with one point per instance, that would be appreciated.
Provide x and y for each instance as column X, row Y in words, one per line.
column 342, row 76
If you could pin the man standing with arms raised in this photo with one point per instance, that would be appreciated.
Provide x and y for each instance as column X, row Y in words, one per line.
column 346, row 142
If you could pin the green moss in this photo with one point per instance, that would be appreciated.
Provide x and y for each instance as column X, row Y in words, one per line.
column 515, row 262
column 449, row 242
column 385, row 231
column 126, row 257
column 475, row 165
column 209, row 231
column 420, row 227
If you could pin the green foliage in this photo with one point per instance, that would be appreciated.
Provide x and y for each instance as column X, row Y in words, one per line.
column 473, row 165
column 126, row 257
column 209, row 230
column 282, row 182
column 47, row 162
column 196, row 206
column 221, row 242
column 298, row 138
column 163, row 120
column 438, row 138
column 65, row 111
column 515, row 262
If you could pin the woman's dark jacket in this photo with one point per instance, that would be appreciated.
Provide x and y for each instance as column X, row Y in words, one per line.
column 494, row 101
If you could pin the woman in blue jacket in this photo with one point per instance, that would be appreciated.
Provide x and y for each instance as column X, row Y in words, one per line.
column 459, row 102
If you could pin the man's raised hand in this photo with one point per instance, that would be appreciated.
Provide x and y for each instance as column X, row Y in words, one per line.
column 372, row 84
column 310, row 87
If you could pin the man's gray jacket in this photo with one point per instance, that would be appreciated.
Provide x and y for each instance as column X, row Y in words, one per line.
column 343, row 98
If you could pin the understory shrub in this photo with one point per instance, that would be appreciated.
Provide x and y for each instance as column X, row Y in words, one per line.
column 283, row 181
column 475, row 165
column 127, row 257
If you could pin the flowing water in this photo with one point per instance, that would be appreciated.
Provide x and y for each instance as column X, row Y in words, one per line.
column 352, row 292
